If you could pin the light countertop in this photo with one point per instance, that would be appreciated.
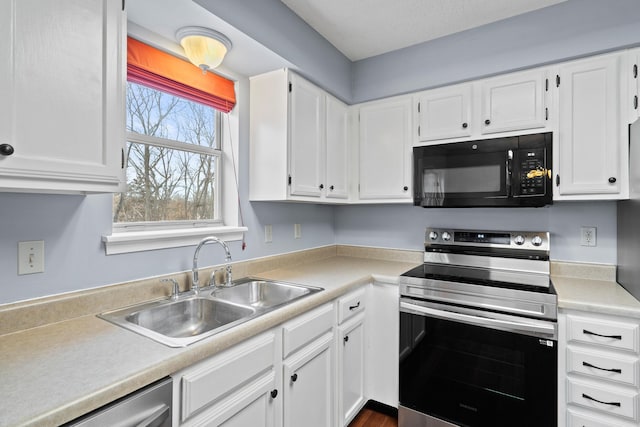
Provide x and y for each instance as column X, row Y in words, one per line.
column 54, row 373
column 597, row 296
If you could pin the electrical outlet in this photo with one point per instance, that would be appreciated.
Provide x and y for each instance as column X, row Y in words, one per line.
column 31, row 257
column 588, row 236
column 268, row 233
column 297, row 231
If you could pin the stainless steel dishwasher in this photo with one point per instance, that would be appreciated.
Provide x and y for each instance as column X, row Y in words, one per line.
column 147, row 407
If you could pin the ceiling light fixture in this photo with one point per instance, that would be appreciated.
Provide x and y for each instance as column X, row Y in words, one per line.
column 205, row 48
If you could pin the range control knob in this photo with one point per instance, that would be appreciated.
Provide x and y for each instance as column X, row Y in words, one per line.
column 433, row 236
column 519, row 240
column 446, row 236
column 536, row 240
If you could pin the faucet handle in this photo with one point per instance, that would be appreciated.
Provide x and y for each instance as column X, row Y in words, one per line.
column 176, row 288
column 212, row 280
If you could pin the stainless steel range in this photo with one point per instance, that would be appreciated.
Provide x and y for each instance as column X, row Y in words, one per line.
column 478, row 332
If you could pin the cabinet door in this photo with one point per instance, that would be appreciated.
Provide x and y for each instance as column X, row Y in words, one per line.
column 350, row 368
column 252, row 405
column 385, row 150
column 513, row 102
column 445, row 113
column 308, row 385
column 306, row 136
column 590, row 125
column 336, row 149
column 62, row 86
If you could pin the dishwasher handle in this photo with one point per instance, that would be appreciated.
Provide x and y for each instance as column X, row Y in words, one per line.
column 157, row 418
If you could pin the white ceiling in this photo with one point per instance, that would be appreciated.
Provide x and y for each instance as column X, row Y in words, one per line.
column 364, row 28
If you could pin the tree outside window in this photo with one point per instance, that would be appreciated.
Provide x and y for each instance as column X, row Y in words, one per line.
column 173, row 161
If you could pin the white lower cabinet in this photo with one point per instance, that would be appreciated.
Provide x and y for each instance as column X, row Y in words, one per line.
column 310, row 371
column 282, row 377
column 308, row 385
column 599, row 363
column 308, row 368
column 236, row 387
column 350, row 344
column 382, row 343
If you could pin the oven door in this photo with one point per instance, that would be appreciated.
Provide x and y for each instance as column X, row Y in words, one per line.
column 470, row 367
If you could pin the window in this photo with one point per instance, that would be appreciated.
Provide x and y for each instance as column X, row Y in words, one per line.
column 181, row 169
column 173, row 162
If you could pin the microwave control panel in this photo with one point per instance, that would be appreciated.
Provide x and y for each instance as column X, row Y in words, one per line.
column 533, row 172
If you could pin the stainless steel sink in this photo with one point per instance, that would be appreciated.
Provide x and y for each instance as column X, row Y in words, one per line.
column 190, row 318
column 263, row 293
column 182, row 322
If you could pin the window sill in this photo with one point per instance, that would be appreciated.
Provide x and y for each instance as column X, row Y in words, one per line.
column 137, row 241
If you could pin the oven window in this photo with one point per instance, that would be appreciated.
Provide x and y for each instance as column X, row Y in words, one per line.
column 474, row 376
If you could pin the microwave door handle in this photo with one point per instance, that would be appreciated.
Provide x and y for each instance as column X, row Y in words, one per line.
column 509, row 172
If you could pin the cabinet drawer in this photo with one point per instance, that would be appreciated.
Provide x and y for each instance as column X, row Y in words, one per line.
column 603, row 365
column 575, row 419
column 306, row 328
column 351, row 304
column 614, row 334
column 612, row 400
column 215, row 378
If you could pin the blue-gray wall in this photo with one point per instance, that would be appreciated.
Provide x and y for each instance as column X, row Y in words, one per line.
column 72, row 226
column 403, row 226
column 567, row 30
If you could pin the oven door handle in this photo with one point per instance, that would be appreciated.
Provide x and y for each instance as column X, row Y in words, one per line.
column 538, row 328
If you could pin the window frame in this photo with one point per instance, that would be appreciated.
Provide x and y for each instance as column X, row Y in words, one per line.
column 216, row 153
column 134, row 237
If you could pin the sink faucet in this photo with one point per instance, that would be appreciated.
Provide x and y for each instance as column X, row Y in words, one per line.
column 195, row 286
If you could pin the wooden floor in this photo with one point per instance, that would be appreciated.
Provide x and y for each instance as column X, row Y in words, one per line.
column 369, row 418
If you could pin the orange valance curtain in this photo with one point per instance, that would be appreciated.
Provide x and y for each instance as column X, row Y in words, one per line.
column 151, row 67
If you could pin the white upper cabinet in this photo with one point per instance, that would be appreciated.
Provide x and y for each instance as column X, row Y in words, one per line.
column 298, row 139
column 445, row 113
column 62, row 96
column 508, row 104
column 337, row 149
column 385, row 150
column 513, row 102
column 307, row 125
column 592, row 154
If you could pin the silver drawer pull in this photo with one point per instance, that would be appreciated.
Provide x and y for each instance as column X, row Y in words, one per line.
column 615, row 337
column 589, row 365
column 586, row 396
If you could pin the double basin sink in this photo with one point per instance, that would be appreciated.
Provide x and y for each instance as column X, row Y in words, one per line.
column 186, row 319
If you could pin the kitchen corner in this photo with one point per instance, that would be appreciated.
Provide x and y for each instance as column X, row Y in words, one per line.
column 71, row 366
column 74, row 365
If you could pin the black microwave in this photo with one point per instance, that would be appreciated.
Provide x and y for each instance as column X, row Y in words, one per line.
column 501, row 172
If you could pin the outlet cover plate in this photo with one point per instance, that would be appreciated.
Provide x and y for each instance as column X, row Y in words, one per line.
column 588, row 236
